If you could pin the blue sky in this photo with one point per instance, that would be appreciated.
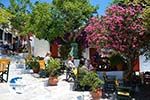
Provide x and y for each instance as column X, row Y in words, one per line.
column 101, row 3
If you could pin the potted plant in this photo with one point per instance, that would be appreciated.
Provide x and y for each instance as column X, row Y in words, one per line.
column 52, row 70
column 92, row 83
column 34, row 64
column 77, row 85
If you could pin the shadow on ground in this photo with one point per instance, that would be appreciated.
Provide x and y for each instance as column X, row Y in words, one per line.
column 144, row 93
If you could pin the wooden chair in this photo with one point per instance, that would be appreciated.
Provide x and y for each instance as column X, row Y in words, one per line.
column 42, row 72
column 4, row 69
column 42, row 64
column 124, row 93
column 110, row 85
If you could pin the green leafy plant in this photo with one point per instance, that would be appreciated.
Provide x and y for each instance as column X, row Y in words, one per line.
column 53, row 67
column 64, row 50
column 91, row 81
column 32, row 63
column 80, row 75
column 116, row 59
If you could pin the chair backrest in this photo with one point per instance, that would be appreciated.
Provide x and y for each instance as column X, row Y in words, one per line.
column 124, row 91
column 42, row 64
column 4, row 64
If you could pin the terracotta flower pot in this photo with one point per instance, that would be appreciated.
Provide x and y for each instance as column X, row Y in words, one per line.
column 97, row 94
column 53, row 81
column 36, row 69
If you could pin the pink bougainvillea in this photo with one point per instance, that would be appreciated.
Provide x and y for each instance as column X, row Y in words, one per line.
column 121, row 29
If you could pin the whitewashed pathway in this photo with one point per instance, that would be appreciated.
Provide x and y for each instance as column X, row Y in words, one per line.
column 32, row 88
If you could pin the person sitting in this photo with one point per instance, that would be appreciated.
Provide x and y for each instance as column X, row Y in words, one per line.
column 89, row 65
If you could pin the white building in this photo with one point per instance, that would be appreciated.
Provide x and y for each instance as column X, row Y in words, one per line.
column 6, row 35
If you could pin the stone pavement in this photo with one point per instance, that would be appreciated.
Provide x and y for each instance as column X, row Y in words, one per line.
column 29, row 87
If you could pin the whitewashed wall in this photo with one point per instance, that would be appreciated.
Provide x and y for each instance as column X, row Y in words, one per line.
column 41, row 47
column 144, row 64
column 118, row 74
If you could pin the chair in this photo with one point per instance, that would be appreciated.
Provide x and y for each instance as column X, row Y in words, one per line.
column 110, row 84
column 42, row 64
column 124, row 93
column 42, row 72
column 4, row 69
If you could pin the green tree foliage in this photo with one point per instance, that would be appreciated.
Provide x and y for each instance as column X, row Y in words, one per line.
column 1, row 4
column 5, row 16
column 118, row 1
column 45, row 21
column 75, row 13
column 52, row 20
column 146, row 15
column 19, row 8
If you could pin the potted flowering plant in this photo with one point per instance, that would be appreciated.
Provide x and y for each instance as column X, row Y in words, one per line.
column 52, row 70
column 34, row 64
column 92, row 83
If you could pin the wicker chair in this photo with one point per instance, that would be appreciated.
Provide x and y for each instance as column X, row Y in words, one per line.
column 4, row 69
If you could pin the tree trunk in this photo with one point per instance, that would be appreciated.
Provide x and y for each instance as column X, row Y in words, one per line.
column 29, row 49
column 129, row 71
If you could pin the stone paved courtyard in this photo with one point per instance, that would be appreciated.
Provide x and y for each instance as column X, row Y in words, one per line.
column 30, row 87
